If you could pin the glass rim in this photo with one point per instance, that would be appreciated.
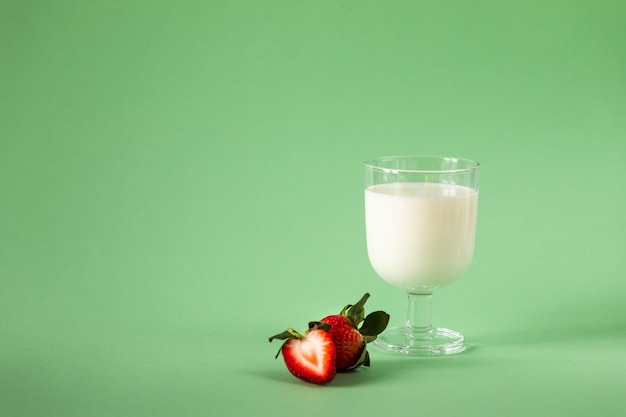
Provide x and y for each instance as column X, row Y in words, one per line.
column 374, row 164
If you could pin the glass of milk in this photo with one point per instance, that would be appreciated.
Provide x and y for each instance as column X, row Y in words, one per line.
column 420, row 215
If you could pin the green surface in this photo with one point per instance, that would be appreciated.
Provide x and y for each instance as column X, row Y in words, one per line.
column 182, row 180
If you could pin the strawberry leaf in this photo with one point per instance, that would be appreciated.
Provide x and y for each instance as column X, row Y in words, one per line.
column 287, row 334
column 319, row 325
column 374, row 324
column 356, row 313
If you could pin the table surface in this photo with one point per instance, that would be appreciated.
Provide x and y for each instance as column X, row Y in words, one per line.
column 182, row 180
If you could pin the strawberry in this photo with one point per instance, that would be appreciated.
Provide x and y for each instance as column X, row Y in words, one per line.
column 350, row 340
column 310, row 357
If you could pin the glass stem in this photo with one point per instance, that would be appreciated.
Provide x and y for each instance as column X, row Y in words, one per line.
column 419, row 317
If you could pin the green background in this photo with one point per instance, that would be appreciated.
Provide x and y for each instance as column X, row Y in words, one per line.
column 181, row 180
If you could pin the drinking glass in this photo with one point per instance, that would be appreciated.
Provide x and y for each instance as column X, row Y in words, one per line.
column 420, row 217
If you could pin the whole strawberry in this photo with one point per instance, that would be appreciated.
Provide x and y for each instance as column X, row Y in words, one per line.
column 350, row 339
column 310, row 357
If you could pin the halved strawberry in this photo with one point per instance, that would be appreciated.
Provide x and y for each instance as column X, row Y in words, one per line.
column 350, row 340
column 310, row 357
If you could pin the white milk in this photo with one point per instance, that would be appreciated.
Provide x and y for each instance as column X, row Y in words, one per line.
column 420, row 236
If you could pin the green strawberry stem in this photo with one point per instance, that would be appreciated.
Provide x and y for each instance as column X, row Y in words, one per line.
column 356, row 312
column 373, row 324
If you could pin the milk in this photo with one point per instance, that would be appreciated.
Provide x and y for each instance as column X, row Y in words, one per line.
column 420, row 236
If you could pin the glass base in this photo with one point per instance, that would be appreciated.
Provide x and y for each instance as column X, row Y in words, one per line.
column 410, row 342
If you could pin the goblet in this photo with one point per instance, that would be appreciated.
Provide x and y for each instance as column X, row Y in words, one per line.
column 420, row 218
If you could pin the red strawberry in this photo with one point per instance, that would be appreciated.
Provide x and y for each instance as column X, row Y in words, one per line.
column 310, row 357
column 350, row 341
